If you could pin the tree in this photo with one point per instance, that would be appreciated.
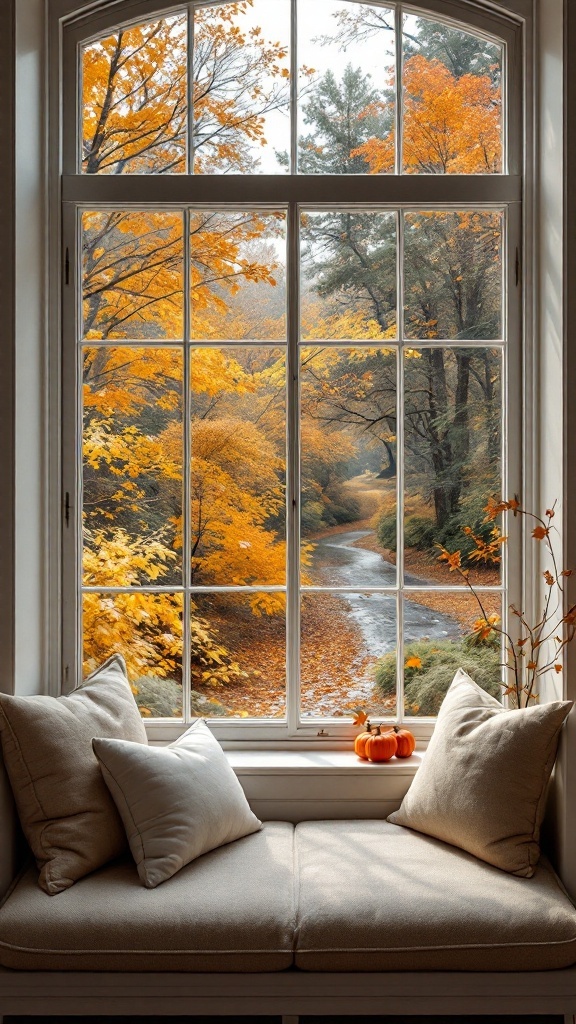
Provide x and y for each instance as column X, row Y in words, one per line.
column 452, row 281
column 452, row 101
column 135, row 121
column 463, row 53
column 451, row 125
column 350, row 259
column 135, row 94
column 343, row 115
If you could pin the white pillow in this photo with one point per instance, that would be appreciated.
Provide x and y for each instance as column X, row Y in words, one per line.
column 176, row 802
column 65, row 810
column 482, row 785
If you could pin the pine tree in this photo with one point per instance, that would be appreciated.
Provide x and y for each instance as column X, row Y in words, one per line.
column 343, row 115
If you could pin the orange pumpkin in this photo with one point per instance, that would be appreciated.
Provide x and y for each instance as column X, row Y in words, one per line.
column 381, row 746
column 360, row 744
column 406, row 742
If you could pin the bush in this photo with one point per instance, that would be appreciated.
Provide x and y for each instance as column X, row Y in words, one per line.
column 422, row 533
column 425, row 687
column 386, row 531
column 162, row 697
column 419, row 532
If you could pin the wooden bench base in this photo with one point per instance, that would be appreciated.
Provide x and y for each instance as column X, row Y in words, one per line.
column 288, row 994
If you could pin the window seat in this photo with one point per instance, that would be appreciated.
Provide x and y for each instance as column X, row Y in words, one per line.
column 332, row 897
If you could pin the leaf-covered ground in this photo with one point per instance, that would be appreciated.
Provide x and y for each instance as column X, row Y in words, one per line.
column 328, row 653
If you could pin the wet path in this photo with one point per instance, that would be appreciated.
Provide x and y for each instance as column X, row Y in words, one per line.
column 337, row 563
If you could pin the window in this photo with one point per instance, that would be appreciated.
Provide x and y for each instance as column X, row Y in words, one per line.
column 291, row 354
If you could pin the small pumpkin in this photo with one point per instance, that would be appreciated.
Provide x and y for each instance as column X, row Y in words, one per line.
column 360, row 742
column 406, row 742
column 381, row 746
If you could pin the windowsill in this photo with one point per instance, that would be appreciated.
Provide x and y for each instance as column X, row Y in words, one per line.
column 315, row 785
column 318, row 762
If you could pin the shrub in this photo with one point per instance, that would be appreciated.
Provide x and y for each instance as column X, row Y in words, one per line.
column 386, row 531
column 422, row 533
column 425, row 687
column 419, row 532
column 162, row 697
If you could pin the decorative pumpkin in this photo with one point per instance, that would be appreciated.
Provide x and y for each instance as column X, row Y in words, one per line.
column 381, row 746
column 360, row 743
column 406, row 742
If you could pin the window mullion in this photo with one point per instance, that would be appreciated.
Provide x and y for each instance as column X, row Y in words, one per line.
column 190, row 92
column 400, row 472
column 293, row 86
column 186, row 481
column 398, row 120
column 293, row 472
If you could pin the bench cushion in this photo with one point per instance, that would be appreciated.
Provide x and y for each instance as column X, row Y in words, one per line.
column 230, row 910
column 378, row 897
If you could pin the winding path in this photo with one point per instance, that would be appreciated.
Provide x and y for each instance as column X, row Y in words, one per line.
column 337, row 563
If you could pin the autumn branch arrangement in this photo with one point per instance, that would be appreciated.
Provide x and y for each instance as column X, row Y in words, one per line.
column 538, row 648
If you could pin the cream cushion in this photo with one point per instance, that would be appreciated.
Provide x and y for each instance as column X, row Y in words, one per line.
column 66, row 811
column 482, row 785
column 231, row 910
column 177, row 802
column 377, row 897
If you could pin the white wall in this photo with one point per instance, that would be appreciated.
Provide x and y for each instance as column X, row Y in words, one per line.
column 548, row 419
column 31, row 348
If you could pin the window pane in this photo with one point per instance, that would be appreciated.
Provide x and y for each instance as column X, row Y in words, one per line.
column 453, row 416
column 343, row 636
column 238, row 276
column 134, row 100
column 147, row 630
column 132, row 275
column 348, row 467
column 238, row 655
column 238, row 467
column 453, row 272
column 346, row 88
column 132, row 466
column 241, row 71
column 452, row 100
column 348, row 281
column 445, row 632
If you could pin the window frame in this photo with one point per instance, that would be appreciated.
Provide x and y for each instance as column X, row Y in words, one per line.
column 386, row 191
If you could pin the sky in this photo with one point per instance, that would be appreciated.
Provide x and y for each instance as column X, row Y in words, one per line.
column 316, row 18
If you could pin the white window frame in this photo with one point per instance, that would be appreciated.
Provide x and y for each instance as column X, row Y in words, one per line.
column 387, row 191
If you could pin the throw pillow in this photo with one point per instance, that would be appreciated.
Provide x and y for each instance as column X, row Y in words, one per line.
column 482, row 784
column 66, row 812
column 177, row 802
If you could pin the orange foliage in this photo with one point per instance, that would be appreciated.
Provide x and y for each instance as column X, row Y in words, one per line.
column 451, row 125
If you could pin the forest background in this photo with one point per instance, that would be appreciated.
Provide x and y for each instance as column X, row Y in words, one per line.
column 136, row 121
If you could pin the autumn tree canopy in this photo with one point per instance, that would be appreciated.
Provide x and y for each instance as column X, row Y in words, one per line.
column 137, row 85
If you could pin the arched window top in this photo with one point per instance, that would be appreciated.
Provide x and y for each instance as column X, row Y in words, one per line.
column 286, row 86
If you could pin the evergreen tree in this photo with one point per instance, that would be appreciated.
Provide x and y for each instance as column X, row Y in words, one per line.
column 461, row 52
column 343, row 115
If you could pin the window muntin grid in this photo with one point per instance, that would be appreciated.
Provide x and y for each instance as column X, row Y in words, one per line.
column 184, row 584
column 473, row 193
column 226, row 89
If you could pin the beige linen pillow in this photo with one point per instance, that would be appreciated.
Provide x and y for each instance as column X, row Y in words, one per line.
column 177, row 802
column 482, row 784
column 65, row 809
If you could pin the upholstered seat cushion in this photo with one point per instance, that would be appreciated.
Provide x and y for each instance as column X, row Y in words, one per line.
column 378, row 897
column 230, row 910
